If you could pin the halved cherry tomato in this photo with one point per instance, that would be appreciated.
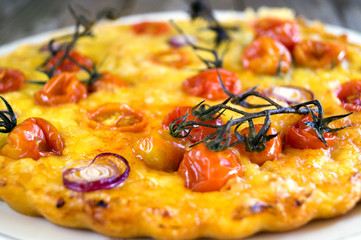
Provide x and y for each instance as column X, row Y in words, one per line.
column 68, row 65
column 273, row 147
column 151, row 28
column 349, row 94
column 317, row 54
column 60, row 89
column 266, row 55
column 204, row 170
column 33, row 138
column 198, row 133
column 116, row 116
column 173, row 57
column 285, row 31
column 10, row 80
column 302, row 137
column 108, row 81
column 206, row 84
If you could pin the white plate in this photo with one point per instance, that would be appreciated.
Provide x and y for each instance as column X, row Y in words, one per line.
column 17, row 226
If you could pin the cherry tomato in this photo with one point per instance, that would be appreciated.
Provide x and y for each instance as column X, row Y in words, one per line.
column 198, row 133
column 108, row 81
column 266, row 55
column 10, row 80
column 67, row 65
column 302, row 137
column 349, row 94
column 206, row 84
column 273, row 147
column 116, row 116
column 151, row 28
column 160, row 151
column 285, row 31
column 33, row 138
column 317, row 54
column 173, row 57
column 60, row 89
column 204, row 170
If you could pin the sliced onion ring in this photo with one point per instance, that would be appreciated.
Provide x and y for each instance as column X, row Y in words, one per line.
column 180, row 40
column 289, row 94
column 84, row 177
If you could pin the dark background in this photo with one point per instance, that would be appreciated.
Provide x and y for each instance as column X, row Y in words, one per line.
column 21, row 18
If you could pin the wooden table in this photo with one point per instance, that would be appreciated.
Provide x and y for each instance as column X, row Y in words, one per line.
column 21, row 18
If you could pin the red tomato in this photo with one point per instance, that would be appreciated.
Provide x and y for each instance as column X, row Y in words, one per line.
column 206, row 84
column 273, row 147
column 60, row 89
column 266, row 55
column 151, row 28
column 349, row 94
column 10, row 80
column 285, row 31
column 108, row 81
column 116, row 116
column 303, row 137
column 33, row 138
column 317, row 54
column 173, row 57
column 67, row 65
column 197, row 133
column 204, row 170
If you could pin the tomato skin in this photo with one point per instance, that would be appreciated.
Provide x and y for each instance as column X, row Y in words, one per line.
column 61, row 89
column 349, row 94
column 67, row 65
column 273, row 147
column 111, row 116
column 206, row 84
column 302, row 137
column 198, row 133
column 285, row 31
column 266, row 55
column 33, row 138
column 107, row 82
column 317, row 54
column 204, row 170
column 174, row 58
column 10, row 80
column 151, row 28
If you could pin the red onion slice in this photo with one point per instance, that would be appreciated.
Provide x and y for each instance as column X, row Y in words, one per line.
column 289, row 94
column 101, row 173
column 180, row 40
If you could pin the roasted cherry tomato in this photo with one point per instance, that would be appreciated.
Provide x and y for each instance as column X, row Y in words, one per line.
column 173, row 57
column 60, row 89
column 10, row 80
column 349, row 94
column 206, row 84
column 204, row 170
column 197, row 133
column 303, row 137
column 108, row 81
column 33, row 138
column 161, row 151
column 151, row 28
column 68, row 65
column 317, row 54
column 285, row 31
column 266, row 55
column 116, row 116
column 273, row 147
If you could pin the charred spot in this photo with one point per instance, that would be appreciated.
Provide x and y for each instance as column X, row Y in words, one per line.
column 3, row 182
column 162, row 212
column 244, row 211
column 259, row 207
column 298, row 203
column 60, row 203
column 102, row 204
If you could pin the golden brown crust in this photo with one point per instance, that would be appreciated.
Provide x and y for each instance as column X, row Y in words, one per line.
column 280, row 195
